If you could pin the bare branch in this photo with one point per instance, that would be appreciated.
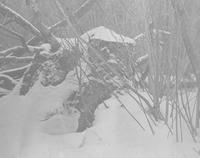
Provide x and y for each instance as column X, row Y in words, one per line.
column 77, row 14
column 43, row 32
column 20, row 51
column 58, row 24
column 14, row 50
column 10, row 60
column 16, row 73
column 71, row 19
column 34, row 41
column 6, row 11
column 192, row 55
column 20, row 37
column 84, row 9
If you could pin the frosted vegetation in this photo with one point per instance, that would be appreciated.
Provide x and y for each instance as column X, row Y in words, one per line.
column 110, row 79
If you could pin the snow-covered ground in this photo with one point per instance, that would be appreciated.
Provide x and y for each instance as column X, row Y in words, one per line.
column 106, row 34
column 114, row 134
column 24, row 132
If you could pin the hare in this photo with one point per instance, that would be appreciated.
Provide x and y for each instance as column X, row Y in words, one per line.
column 62, row 123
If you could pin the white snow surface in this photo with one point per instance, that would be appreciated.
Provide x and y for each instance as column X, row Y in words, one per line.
column 106, row 34
column 114, row 133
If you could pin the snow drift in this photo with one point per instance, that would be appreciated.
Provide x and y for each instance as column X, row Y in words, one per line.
column 25, row 132
column 114, row 133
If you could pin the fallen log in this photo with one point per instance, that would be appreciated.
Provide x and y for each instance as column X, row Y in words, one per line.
column 92, row 94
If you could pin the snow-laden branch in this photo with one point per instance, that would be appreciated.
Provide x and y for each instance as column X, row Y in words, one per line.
column 84, row 9
column 6, row 11
column 11, row 60
column 41, row 33
column 16, row 51
column 15, row 34
column 77, row 14
column 19, row 51
column 16, row 73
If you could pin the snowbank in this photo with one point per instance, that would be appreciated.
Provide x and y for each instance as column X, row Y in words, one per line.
column 114, row 134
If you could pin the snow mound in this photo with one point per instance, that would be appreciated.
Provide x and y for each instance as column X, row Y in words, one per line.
column 114, row 133
column 61, row 123
column 106, row 34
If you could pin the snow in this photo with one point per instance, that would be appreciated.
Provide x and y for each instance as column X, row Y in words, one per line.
column 100, row 32
column 114, row 133
column 61, row 124
column 106, row 34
